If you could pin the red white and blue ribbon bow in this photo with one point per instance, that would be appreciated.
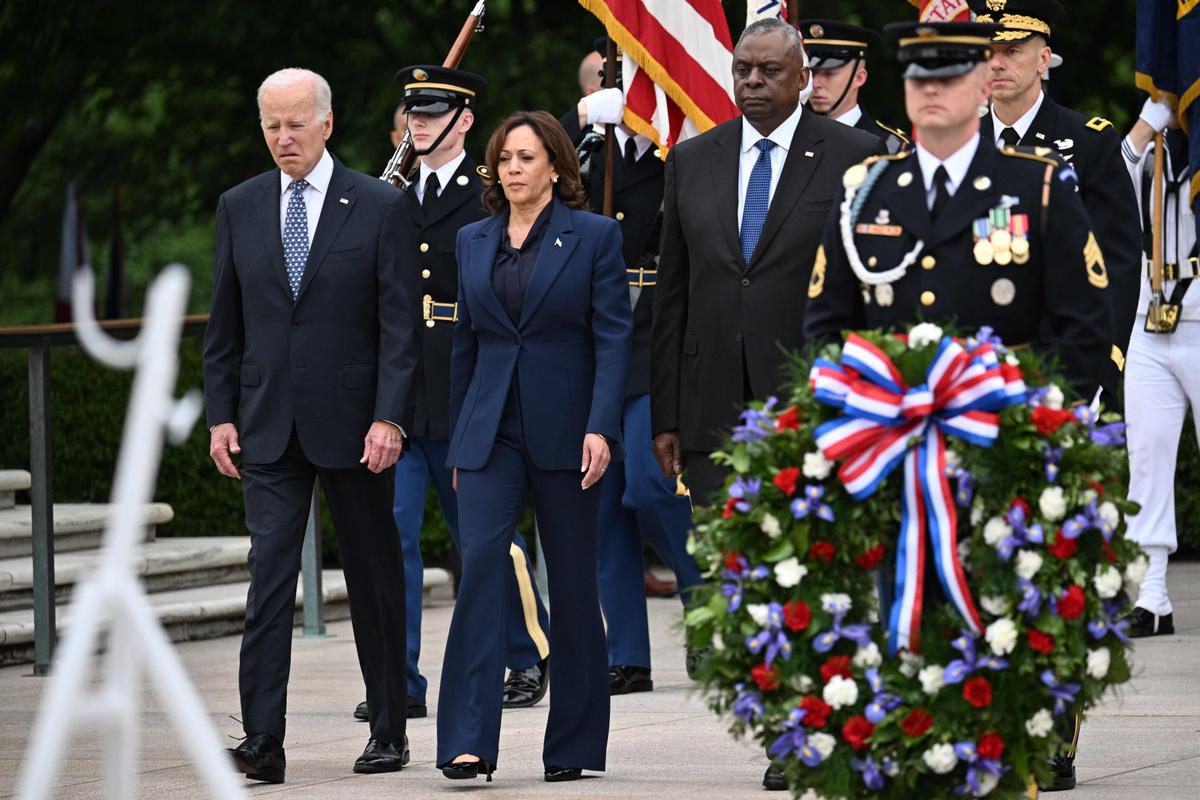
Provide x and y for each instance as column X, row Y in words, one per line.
column 886, row 422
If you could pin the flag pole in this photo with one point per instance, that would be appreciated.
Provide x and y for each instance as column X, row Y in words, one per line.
column 610, row 130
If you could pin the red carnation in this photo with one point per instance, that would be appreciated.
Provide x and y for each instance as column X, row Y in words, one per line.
column 1109, row 553
column 822, row 550
column 788, row 419
column 1097, row 487
column 816, row 711
column 1041, row 642
column 917, row 722
column 978, row 692
column 731, row 561
column 729, row 507
column 1024, row 506
column 990, row 746
column 796, row 615
column 836, row 665
column 1071, row 603
column 1049, row 420
column 786, row 479
column 766, row 677
column 856, row 731
column 1063, row 548
column 871, row 558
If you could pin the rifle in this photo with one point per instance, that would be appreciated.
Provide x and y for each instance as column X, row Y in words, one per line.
column 400, row 167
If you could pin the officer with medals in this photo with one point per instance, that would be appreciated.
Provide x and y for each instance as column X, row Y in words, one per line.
column 444, row 197
column 837, row 53
column 636, row 501
column 1021, row 113
column 958, row 230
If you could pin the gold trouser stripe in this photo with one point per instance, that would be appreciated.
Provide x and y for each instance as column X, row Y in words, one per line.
column 528, row 601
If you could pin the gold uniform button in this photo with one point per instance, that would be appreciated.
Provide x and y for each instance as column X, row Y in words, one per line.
column 620, row 216
column 425, row 273
column 424, row 247
column 928, row 298
column 928, row 262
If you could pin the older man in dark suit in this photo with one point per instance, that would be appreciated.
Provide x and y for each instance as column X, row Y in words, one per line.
column 744, row 207
column 308, row 370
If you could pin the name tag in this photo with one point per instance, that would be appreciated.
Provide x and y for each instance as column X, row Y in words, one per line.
column 878, row 230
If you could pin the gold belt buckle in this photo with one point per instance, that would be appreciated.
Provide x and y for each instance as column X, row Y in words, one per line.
column 434, row 312
column 644, row 277
column 1162, row 317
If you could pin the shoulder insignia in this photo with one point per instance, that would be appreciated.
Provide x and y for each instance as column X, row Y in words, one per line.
column 1040, row 154
column 894, row 132
column 1098, row 123
column 816, row 284
column 1093, row 259
column 482, row 172
column 890, row 157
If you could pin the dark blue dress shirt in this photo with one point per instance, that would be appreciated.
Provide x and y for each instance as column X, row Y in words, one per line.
column 514, row 266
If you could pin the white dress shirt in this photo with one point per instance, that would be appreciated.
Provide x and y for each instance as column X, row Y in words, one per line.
column 1021, row 126
column 314, row 193
column 851, row 117
column 956, row 167
column 782, row 137
column 445, row 174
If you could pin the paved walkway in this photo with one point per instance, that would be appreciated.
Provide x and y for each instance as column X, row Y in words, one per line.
column 1144, row 743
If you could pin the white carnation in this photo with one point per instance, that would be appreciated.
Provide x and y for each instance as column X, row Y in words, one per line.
column 1136, row 571
column 994, row 604
column 834, row 603
column 789, row 572
column 802, row 683
column 718, row 643
column 1109, row 513
column 1098, row 662
column 976, row 512
column 1052, row 503
column 1002, row 636
column 823, row 743
column 1012, row 360
column 816, row 466
column 770, row 526
column 932, row 679
column 953, row 459
column 940, row 758
column 868, row 656
column 923, row 334
column 1028, row 563
column 1107, row 582
column 758, row 612
column 840, row 692
column 1068, row 441
column 910, row 663
column 1053, row 398
column 1040, row 724
column 996, row 531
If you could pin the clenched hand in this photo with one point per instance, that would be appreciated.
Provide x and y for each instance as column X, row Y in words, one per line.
column 381, row 446
column 222, row 442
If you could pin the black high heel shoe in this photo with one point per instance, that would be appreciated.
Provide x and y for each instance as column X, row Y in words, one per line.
column 468, row 770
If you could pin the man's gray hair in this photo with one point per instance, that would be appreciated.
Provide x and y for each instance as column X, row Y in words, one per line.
column 322, row 94
column 775, row 24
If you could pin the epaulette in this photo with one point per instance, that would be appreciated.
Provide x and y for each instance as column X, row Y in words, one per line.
column 1044, row 155
column 1098, row 123
column 894, row 132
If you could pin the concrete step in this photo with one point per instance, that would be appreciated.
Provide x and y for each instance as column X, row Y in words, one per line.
column 11, row 482
column 203, row 612
column 77, row 526
column 163, row 565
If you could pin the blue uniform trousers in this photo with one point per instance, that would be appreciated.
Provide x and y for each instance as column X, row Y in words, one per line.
column 638, row 501
column 528, row 625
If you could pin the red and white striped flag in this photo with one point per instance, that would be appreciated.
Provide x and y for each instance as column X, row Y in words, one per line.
column 942, row 10
column 765, row 9
column 678, row 65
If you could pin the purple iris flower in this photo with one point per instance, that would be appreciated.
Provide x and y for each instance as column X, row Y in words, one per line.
column 794, row 738
column 748, row 705
column 987, row 335
column 745, row 490
column 1036, row 397
column 812, row 503
column 1110, row 435
column 965, row 486
column 873, row 774
column 1088, row 519
column 1111, row 622
column 1021, row 533
column 976, row 768
column 772, row 638
column 1031, row 598
column 734, row 578
column 859, row 634
column 960, row 668
column 757, row 424
column 1052, row 455
column 883, row 702
column 1063, row 692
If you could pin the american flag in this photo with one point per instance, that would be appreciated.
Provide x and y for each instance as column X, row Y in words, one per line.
column 678, row 65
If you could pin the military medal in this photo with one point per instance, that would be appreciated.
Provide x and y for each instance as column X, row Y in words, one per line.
column 984, row 251
column 1003, row 257
column 1003, row 292
column 1020, row 238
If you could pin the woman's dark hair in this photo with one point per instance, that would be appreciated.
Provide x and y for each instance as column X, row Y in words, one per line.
column 568, row 189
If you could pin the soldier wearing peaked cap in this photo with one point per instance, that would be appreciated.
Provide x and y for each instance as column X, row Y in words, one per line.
column 1021, row 113
column 838, row 59
column 440, row 107
column 960, row 230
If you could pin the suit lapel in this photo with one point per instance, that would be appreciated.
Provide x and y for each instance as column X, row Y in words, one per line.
column 475, row 268
column 456, row 193
column 269, row 209
column 1041, row 130
column 987, row 133
column 557, row 245
column 334, row 213
column 970, row 201
column 414, row 206
column 724, row 173
column 802, row 159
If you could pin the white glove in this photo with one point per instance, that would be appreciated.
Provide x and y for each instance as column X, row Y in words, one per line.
column 1156, row 114
column 604, row 107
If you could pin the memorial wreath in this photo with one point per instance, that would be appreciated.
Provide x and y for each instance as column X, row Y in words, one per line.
column 918, row 567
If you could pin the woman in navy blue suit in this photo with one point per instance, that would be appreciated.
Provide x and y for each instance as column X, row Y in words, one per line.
column 537, row 383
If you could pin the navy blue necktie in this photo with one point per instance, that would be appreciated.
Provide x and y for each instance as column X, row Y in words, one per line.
column 295, row 236
column 758, row 199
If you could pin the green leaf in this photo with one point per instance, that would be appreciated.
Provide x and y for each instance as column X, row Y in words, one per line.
column 780, row 551
column 698, row 616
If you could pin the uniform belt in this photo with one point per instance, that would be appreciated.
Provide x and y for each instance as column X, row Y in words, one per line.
column 1186, row 270
column 434, row 312
column 642, row 276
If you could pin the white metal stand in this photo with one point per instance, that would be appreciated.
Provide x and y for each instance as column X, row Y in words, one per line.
column 113, row 599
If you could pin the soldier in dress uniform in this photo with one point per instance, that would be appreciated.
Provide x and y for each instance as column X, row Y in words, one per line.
column 958, row 230
column 637, row 501
column 444, row 197
column 837, row 53
column 1021, row 113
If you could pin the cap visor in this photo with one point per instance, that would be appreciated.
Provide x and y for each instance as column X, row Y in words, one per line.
column 930, row 71
column 822, row 62
column 427, row 107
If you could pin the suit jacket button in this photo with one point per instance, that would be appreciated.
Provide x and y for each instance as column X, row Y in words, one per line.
column 928, row 298
column 739, row 338
column 425, row 273
column 424, row 247
column 745, row 281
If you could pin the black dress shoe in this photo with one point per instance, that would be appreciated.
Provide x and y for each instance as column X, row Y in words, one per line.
column 1064, row 774
column 560, row 774
column 383, row 756
column 628, row 680
column 415, row 710
column 775, row 780
column 1144, row 623
column 468, row 770
column 526, row 687
column 693, row 661
column 260, row 758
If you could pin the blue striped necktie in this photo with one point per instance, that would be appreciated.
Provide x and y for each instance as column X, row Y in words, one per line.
column 295, row 236
column 758, row 199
